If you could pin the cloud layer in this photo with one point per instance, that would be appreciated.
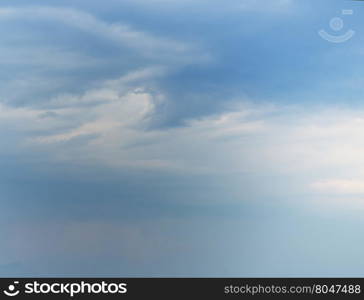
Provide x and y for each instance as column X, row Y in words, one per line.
column 184, row 138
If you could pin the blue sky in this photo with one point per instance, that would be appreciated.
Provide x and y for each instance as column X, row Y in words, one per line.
column 180, row 138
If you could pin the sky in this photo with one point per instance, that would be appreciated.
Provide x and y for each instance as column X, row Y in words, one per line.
column 199, row 138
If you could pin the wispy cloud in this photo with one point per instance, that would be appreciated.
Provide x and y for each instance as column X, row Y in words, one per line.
column 119, row 33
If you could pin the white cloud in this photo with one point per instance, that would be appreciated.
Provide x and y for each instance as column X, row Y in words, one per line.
column 248, row 138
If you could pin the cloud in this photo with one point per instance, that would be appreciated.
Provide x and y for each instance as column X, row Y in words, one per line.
column 122, row 133
column 111, row 120
column 339, row 186
column 298, row 147
column 118, row 118
column 75, row 50
column 119, row 33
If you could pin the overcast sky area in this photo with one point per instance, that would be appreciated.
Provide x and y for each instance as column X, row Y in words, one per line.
column 181, row 138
